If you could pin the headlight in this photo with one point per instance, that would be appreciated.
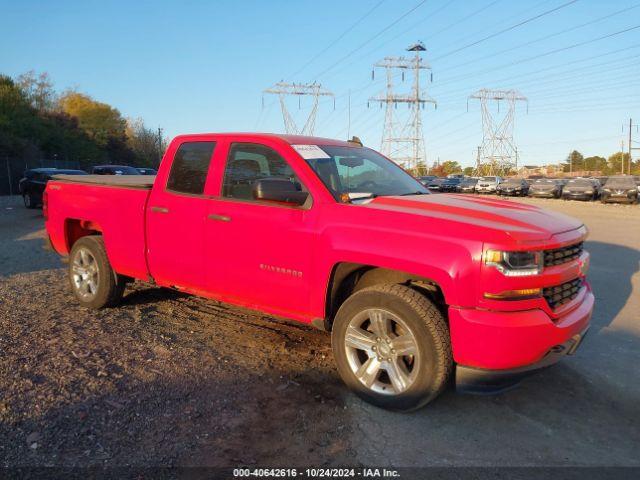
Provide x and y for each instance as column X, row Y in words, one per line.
column 515, row 264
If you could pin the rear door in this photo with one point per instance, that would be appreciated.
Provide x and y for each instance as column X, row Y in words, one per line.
column 262, row 250
column 175, row 218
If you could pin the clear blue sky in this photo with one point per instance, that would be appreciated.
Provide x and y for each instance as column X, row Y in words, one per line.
column 201, row 66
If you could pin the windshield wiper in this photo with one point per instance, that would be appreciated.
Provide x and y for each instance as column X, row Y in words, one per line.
column 412, row 193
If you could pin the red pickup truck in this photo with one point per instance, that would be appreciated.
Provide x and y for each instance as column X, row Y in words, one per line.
column 415, row 288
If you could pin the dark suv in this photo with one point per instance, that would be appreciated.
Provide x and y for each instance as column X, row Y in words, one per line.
column 115, row 170
column 581, row 189
column 32, row 185
column 620, row 189
column 546, row 187
column 513, row 187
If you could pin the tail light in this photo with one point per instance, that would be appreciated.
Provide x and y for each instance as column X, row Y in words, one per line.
column 45, row 205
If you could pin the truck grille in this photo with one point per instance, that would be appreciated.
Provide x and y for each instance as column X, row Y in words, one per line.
column 561, row 294
column 562, row 255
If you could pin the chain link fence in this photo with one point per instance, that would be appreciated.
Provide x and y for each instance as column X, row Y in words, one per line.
column 12, row 170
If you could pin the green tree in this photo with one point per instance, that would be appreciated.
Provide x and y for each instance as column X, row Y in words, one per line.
column 38, row 89
column 451, row 166
column 468, row 171
column 574, row 162
column 595, row 163
column 614, row 163
column 100, row 121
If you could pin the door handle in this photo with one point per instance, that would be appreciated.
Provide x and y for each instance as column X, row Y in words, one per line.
column 219, row 218
column 160, row 209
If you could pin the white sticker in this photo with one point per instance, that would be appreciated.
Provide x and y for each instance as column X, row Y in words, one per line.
column 310, row 151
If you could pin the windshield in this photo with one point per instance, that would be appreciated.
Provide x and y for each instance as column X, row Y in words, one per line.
column 488, row 179
column 546, row 181
column 620, row 182
column 580, row 182
column 513, row 181
column 359, row 170
column 451, row 181
column 470, row 181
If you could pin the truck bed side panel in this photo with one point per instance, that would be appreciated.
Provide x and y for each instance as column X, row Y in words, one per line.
column 119, row 213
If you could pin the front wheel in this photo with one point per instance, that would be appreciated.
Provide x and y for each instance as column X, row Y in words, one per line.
column 392, row 347
column 93, row 282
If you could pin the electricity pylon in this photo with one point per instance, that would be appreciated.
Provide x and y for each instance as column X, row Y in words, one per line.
column 403, row 142
column 283, row 90
column 498, row 152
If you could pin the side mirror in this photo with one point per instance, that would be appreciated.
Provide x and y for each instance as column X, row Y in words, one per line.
column 279, row 190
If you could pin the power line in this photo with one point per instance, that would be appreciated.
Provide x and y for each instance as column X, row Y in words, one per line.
column 392, row 24
column 545, row 37
column 340, row 37
column 512, row 27
column 551, row 52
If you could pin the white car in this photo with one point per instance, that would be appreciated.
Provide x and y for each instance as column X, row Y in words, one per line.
column 488, row 184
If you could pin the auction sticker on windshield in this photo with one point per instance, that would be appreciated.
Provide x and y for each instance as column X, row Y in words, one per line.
column 309, row 152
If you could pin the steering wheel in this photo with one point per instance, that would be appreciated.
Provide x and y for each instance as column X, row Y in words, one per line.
column 367, row 184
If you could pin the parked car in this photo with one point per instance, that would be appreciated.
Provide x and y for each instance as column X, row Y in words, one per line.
column 581, row 189
column 513, row 187
column 467, row 185
column 488, row 184
column 146, row 171
column 424, row 180
column 450, row 184
column 620, row 189
column 546, row 187
column 114, row 170
column 416, row 289
column 435, row 184
column 34, row 181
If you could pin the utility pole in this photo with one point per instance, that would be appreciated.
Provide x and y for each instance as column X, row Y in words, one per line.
column 159, row 145
column 622, row 157
column 631, row 142
column 499, row 151
column 403, row 142
column 313, row 90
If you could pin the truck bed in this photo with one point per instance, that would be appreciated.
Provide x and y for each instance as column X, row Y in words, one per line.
column 112, row 205
column 128, row 181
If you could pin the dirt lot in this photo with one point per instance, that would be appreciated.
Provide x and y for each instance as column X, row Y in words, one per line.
column 168, row 379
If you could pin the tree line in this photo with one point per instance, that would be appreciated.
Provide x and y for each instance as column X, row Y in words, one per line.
column 575, row 162
column 37, row 122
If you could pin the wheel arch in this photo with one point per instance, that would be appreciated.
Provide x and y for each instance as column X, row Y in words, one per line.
column 347, row 278
column 75, row 229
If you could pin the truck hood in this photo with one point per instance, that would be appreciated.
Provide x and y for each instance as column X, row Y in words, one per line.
column 523, row 223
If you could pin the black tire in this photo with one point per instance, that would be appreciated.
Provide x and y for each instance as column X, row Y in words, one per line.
column 429, row 329
column 110, row 287
column 29, row 201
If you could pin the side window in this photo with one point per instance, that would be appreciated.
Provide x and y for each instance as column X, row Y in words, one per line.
column 190, row 166
column 248, row 163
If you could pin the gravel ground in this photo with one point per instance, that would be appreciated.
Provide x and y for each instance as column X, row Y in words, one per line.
column 168, row 379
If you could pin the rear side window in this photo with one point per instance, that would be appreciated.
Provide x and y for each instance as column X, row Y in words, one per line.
column 190, row 166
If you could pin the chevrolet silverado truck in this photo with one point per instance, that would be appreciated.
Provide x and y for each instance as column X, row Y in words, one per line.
column 416, row 289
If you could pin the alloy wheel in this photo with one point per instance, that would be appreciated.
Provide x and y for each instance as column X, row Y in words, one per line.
column 85, row 274
column 382, row 352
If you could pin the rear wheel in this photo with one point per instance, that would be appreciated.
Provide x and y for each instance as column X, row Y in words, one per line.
column 29, row 200
column 392, row 347
column 93, row 282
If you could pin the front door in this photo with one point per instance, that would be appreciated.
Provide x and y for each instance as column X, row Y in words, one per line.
column 263, row 249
